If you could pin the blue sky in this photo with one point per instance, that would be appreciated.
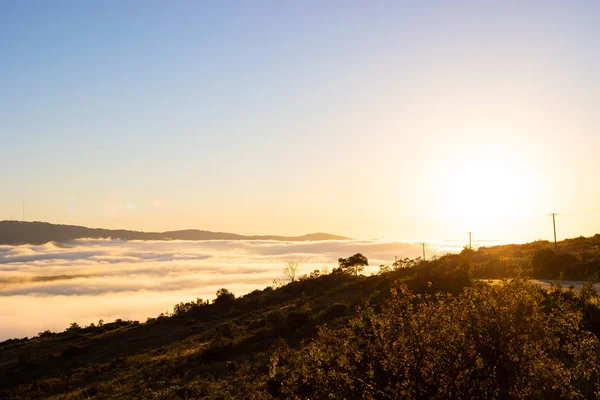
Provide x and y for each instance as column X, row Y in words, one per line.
column 294, row 117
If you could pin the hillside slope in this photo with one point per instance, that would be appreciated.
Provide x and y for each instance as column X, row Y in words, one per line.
column 415, row 330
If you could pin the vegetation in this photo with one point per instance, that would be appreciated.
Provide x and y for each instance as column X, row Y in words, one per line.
column 506, row 341
column 418, row 329
column 575, row 259
column 354, row 264
column 290, row 270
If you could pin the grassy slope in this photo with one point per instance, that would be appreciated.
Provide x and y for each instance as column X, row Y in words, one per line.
column 132, row 359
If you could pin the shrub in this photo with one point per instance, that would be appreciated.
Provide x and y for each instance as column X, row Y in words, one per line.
column 504, row 341
column 276, row 318
column 450, row 273
column 74, row 327
column 547, row 264
column 228, row 330
column 298, row 318
column 225, row 299
column 335, row 310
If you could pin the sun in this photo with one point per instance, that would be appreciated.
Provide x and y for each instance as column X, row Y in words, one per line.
column 484, row 187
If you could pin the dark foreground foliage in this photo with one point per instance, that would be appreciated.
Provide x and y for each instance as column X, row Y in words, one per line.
column 418, row 329
column 504, row 341
column 574, row 259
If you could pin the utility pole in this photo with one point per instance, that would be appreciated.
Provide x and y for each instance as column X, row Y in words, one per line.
column 554, row 226
column 23, row 212
column 470, row 247
column 423, row 251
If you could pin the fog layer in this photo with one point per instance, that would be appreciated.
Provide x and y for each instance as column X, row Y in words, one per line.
column 49, row 286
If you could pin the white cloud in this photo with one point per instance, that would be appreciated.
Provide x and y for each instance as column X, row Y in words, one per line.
column 49, row 286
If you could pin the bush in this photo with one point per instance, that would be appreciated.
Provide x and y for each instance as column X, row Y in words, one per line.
column 228, row 330
column 449, row 273
column 276, row 318
column 298, row 318
column 504, row 341
column 225, row 299
column 334, row 311
column 547, row 264
column 74, row 327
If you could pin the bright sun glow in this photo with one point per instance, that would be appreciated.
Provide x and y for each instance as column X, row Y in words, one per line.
column 484, row 188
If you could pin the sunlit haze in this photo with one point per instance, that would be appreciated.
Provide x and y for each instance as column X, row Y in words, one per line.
column 406, row 121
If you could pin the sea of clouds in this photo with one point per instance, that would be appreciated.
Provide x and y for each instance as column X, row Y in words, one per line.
column 52, row 285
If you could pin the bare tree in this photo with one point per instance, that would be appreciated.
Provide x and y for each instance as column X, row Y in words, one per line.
column 290, row 270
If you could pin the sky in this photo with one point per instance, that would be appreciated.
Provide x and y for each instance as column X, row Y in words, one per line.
column 401, row 120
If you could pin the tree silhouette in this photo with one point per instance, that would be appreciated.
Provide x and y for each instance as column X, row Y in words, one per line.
column 290, row 270
column 224, row 298
column 353, row 264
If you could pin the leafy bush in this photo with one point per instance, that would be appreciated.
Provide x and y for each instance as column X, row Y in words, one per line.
column 489, row 342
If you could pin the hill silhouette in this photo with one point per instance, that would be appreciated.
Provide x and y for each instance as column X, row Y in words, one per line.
column 20, row 232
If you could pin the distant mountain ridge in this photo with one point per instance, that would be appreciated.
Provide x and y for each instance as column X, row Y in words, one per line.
column 19, row 232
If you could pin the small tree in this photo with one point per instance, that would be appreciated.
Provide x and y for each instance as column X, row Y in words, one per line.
column 290, row 270
column 384, row 269
column 224, row 298
column 353, row 264
column 74, row 327
column 406, row 263
column 276, row 284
